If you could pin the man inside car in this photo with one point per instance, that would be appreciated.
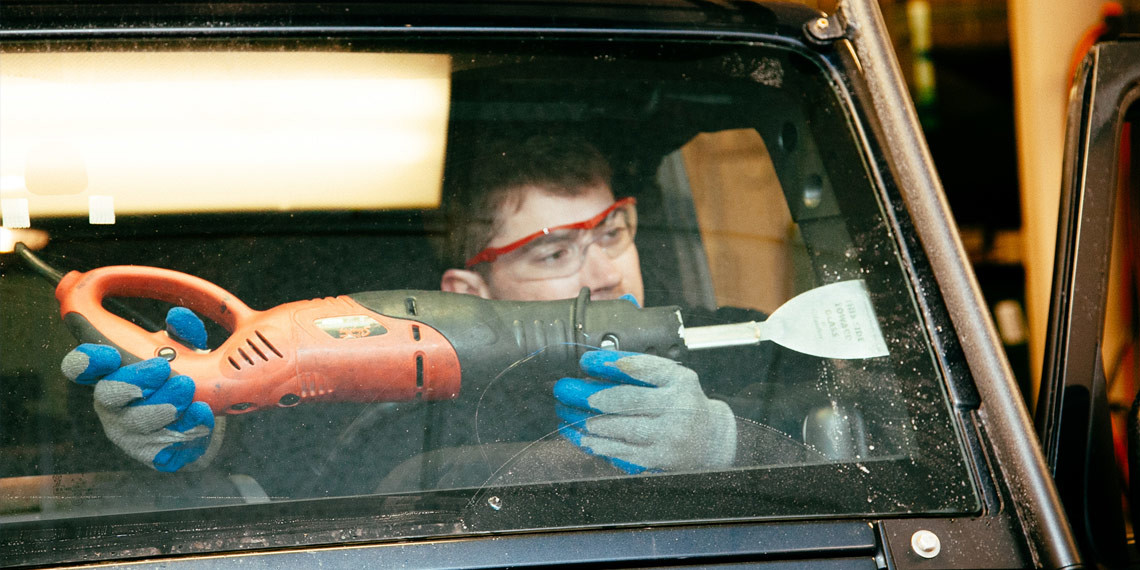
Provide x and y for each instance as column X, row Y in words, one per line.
column 538, row 221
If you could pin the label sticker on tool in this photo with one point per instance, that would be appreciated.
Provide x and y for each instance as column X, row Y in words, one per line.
column 351, row 326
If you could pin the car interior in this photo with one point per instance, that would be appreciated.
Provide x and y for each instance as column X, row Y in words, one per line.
column 751, row 188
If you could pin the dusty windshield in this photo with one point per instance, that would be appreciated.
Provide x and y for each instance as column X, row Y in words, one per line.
column 641, row 283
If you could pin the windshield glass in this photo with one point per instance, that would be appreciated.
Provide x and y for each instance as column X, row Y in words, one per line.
column 480, row 286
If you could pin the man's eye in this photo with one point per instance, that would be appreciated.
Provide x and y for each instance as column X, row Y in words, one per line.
column 612, row 235
column 550, row 256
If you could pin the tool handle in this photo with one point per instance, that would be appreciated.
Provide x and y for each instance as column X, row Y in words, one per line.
column 547, row 337
column 83, row 294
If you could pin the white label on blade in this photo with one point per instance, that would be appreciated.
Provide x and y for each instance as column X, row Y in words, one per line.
column 15, row 213
column 841, row 321
column 833, row 321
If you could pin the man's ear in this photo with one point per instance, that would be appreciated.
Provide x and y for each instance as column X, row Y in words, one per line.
column 464, row 281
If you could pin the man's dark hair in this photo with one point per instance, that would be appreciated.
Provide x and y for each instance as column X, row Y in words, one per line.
column 558, row 165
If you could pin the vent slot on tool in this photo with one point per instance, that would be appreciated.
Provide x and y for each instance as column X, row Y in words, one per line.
column 419, row 371
column 261, row 351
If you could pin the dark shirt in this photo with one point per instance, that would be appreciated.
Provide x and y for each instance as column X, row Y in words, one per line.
column 345, row 449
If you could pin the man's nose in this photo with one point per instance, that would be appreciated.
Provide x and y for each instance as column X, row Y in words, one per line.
column 599, row 272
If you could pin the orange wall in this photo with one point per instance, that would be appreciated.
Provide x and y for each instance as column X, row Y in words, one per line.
column 1043, row 35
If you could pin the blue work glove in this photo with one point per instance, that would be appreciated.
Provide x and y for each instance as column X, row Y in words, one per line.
column 645, row 413
column 144, row 410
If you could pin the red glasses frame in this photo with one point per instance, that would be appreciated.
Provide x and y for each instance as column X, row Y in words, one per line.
column 490, row 254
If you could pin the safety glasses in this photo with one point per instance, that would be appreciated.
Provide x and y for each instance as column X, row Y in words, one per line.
column 560, row 251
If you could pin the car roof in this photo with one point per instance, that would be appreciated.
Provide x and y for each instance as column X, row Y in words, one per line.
column 781, row 18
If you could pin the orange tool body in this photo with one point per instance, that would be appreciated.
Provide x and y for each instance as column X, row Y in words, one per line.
column 366, row 347
column 329, row 349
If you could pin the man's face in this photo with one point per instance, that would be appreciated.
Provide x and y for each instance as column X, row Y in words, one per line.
column 606, row 277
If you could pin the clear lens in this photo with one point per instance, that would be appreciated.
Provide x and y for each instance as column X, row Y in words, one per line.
column 562, row 253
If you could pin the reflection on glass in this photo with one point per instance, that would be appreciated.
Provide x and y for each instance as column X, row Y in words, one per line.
column 749, row 188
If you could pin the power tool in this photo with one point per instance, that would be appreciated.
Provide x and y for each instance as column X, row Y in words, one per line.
column 405, row 345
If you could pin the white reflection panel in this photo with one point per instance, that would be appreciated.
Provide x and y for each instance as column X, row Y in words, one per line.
column 166, row 132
